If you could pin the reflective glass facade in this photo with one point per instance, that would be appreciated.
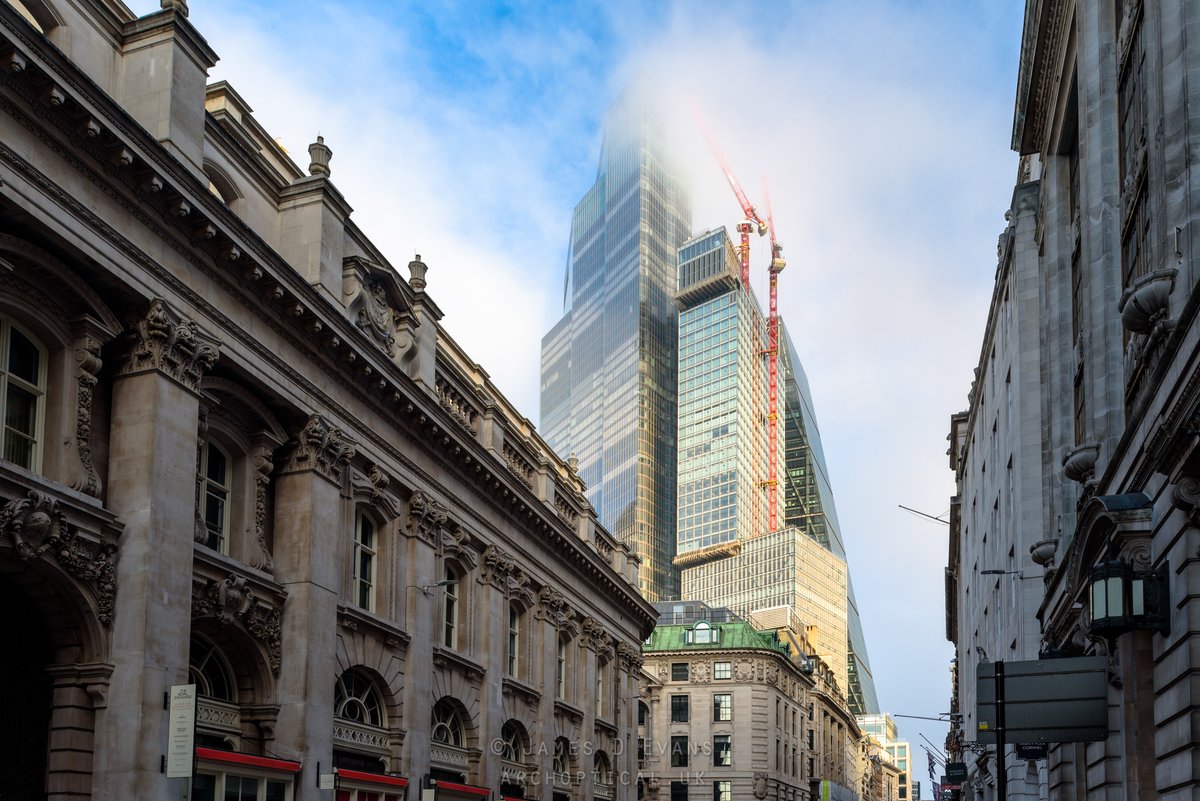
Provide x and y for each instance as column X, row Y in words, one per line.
column 808, row 504
column 609, row 365
column 722, row 384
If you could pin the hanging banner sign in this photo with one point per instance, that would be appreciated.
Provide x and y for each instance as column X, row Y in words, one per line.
column 181, row 731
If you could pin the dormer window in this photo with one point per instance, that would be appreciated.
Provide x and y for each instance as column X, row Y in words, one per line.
column 703, row 633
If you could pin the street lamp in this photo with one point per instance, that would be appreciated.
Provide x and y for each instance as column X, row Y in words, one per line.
column 425, row 588
column 1122, row 599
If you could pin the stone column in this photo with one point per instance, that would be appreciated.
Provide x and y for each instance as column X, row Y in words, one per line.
column 422, row 621
column 625, row 765
column 491, row 606
column 310, row 548
column 152, row 489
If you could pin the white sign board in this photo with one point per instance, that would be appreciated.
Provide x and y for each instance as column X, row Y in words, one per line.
column 181, row 731
column 327, row 781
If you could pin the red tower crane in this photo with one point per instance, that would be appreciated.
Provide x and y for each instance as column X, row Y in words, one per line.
column 752, row 221
column 774, row 269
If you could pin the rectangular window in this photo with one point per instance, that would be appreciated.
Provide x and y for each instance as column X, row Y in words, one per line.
column 450, row 610
column 722, row 750
column 679, row 671
column 722, row 706
column 679, row 709
column 679, row 791
column 722, row 671
column 679, row 751
column 364, row 563
column 722, row 791
column 514, row 638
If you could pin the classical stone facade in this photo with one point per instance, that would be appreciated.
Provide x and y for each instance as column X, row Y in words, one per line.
column 241, row 453
column 1104, row 243
column 735, row 713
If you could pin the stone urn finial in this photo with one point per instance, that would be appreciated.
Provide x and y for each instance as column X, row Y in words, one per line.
column 320, row 154
column 1042, row 553
column 573, row 462
column 1079, row 464
column 175, row 5
column 416, row 273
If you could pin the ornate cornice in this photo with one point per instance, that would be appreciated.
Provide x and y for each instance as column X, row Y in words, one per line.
column 322, row 448
column 37, row 527
column 168, row 343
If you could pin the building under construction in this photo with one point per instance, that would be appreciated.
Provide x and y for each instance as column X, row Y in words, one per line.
column 729, row 552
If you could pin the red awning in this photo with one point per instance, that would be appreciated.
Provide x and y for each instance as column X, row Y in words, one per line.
column 249, row 760
column 371, row 778
column 468, row 789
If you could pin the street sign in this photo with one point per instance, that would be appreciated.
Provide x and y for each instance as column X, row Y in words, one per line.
column 1046, row 700
column 1032, row 750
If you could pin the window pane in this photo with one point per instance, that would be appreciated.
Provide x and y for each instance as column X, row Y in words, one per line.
column 18, row 449
column 204, row 787
column 24, row 361
column 276, row 791
column 216, row 466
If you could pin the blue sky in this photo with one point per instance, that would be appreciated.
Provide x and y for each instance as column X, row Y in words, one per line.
column 466, row 131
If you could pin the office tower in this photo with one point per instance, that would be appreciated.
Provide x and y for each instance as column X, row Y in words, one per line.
column 608, row 366
column 722, row 384
column 725, row 552
column 808, row 503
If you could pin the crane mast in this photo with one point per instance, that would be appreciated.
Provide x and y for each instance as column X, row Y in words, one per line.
column 751, row 222
column 773, row 270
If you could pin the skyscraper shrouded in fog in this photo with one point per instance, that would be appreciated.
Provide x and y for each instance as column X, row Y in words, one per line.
column 727, row 556
column 608, row 378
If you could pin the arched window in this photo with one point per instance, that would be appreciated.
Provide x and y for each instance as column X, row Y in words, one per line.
column 512, row 742
column 215, row 479
column 447, row 725
column 450, row 609
column 208, row 671
column 603, row 769
column 562, row 764
column 22, row 392
column 364, row 562
column 514, row 639
column 356, row 698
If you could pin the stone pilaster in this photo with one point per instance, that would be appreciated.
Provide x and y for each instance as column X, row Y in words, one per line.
column 152, row 479
column 310, row 549
column 625, row 766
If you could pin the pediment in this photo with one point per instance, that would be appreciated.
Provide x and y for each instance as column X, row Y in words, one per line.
column 378, row 302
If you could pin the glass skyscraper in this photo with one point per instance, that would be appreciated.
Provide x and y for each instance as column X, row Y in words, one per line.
column 728, row 557
column 608, row 378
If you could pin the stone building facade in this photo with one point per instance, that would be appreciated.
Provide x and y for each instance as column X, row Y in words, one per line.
column 1106, row 223
column 241, row 452
column 736, row 713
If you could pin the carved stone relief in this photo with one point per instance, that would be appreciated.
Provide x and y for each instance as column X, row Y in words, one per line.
column 321, row 447
column 263, row 450
column 170, row 344
column 632, row 659
column 231, row 601
column 87, row 371
column 597, row 638
column 37, row 527
column 426, row 517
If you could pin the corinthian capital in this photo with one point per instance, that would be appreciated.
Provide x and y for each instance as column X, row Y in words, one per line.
column 320, row 447
column 171, row 344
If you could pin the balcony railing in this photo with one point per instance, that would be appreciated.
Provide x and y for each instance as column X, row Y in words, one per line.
column 514, row 772
column 360, row 736
column 218, row 716
column 448, row 756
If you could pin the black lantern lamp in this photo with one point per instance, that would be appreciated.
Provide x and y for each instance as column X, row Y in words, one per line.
column 1123, row 599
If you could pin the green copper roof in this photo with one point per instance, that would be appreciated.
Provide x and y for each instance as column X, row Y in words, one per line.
column 731, row 635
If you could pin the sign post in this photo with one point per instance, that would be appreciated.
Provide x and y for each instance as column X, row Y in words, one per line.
column 181, row 731
column 1001, row 762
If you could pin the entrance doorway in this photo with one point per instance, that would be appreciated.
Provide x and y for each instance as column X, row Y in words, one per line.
column 25, row 696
